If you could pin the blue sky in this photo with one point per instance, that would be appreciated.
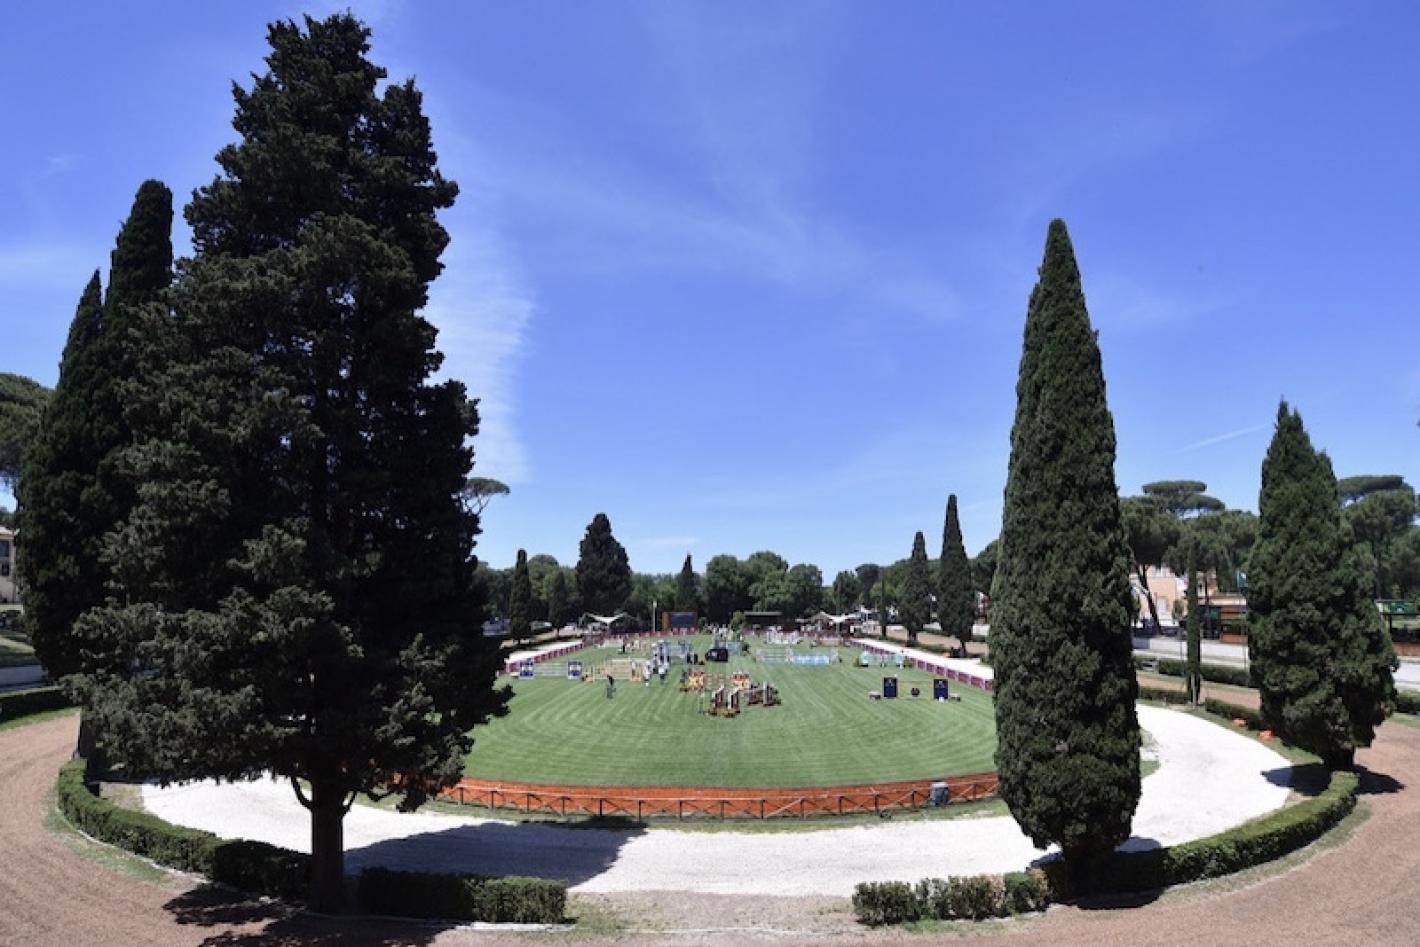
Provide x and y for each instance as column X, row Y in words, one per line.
column 751, row 276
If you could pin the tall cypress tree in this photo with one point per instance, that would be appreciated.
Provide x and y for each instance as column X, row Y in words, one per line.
column 73, row 494
column 603, row 571
column 956, row 594
column 914, row 607
column 558, row 599
column 520, row 600
column 1067, row 733
column 1320, row 656
column 297, row 578
column 687, row 596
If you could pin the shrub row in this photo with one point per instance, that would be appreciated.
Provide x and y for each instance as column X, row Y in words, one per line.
column 462, row 897
column 1251, row 718
column 1261, row 840
column 1217, row 673
column 23, row 703
column 266, row 869
column 969, row 897
column 1407, row 702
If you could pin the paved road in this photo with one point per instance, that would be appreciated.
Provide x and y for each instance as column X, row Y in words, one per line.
column 1216, row 652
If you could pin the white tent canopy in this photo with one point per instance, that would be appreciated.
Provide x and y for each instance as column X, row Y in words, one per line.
column 606, row 620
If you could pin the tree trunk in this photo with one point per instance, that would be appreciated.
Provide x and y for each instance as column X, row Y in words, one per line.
column 1340, row 760
column 1149, row 597
column 1193, row 672
column 88, row 742
column 327, row 848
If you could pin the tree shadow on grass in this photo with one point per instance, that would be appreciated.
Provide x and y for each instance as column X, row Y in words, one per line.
column 240, row 921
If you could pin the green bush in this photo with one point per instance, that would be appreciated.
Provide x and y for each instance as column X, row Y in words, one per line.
column 886, row 902
column 262, row 868
column 978, row 896
column 250, row 866
column 24, row 703
column 971, row 897
column 1025, row 891
column 1162, row 695
column 1254, row 843
column 1407, row 702
column 1252, row 718
column 1217, row 673
column 462, row 897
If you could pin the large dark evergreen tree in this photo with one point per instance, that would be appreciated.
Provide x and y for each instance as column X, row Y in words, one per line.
column 914, row 603
column 297, row 577
column 956, row 595
column 22, row 404
column 73, row 494
column 687, row 595
column 559, row 599
column 603, row 571
column 1320, row 655
column 1067, row 734
column 520, row 600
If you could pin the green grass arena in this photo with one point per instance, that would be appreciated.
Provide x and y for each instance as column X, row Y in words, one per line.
column 826, row 732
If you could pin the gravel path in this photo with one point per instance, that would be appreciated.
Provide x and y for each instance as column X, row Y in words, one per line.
column 1362, row 892
column 1191, row 753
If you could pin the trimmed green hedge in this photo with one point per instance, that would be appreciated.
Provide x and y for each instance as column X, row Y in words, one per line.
column 1252, row 718
column 1254, row 843
column 23, row 703
column 1407, row 702
column 462, row 897
column 1259, row 841
column 1217, row 673
column 967, row 897
column 266, row 869
column 250, row 866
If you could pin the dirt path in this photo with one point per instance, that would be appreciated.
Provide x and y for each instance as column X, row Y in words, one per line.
column 1360, row 893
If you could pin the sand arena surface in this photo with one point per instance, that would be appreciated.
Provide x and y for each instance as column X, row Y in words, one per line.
column 1193, row 754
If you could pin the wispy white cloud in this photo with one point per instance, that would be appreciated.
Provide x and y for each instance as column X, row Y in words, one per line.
column 482, row 310
column 1220, row 438
column 49, row 265
column 1126, row 301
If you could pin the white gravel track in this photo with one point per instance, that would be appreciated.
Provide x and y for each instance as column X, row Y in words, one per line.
column 1208, row 780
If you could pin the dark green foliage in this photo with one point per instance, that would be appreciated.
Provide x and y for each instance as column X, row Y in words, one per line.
column 727, row 588
column 1193, row 671
column 297, row 577
column 603, row 572
column 1161, row 695
column 479, row 492
column 1252, row 719
column 1320, row 655
column 1379, row 519
column 520, row 600
column 462, row 897
column 72, row 495
column 1181, row 498
column 1254, row 843
column 914, row 600
column 983, row 567
column 885, row 902
column 961, row 898
column 22, row 404
column 687, row 595
column 847, row 592
column 956, row 594
column 262, row 868
column 1407, row 702
column 1216, row 673
column 559, row 600
column 1061, row 605
column 867, row 574
column 1356, row 488
column 1067, row 735
column 16, row 704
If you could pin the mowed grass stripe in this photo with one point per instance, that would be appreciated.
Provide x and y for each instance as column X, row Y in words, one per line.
column 827, row 732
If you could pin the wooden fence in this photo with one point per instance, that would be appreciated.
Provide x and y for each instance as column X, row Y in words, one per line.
column 688, row 802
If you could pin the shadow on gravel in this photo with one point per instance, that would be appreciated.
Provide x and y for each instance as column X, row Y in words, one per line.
column 1377, row 784
column 273, row 923
column 1309, row 779
column 539, row 849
